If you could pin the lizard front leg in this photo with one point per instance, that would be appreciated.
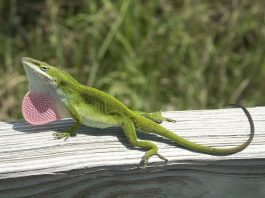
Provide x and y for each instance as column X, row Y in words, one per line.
column 72, row 130
column 129, row 130
column 69, row 132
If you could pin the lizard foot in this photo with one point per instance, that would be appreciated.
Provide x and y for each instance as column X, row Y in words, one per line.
column 170, row 120
column 143, row 163
column 61, row 135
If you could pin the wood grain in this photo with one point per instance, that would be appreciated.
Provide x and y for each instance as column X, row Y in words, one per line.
column 101, row 163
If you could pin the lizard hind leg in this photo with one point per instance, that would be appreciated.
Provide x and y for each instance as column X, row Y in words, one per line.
column 130, row 133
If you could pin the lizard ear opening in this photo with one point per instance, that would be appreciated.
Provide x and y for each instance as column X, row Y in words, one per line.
column 39, row 108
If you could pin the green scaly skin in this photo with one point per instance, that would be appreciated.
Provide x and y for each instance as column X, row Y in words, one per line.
column 92, row 107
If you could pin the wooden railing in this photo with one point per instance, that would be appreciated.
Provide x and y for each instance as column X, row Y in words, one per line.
column 101, row 163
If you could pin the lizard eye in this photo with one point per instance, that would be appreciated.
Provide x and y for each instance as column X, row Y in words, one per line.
column 45, row 69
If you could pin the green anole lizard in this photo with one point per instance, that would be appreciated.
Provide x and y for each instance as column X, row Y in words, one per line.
column 54, row 94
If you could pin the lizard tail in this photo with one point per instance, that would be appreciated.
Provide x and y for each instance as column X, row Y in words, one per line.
column 159, row 130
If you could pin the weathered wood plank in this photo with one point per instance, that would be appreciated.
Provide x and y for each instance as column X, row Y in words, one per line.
column 100, row 162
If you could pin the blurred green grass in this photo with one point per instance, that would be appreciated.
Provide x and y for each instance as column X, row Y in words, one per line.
column 152, row 55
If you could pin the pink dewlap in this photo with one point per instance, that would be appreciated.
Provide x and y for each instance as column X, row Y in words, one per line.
column 39, row 108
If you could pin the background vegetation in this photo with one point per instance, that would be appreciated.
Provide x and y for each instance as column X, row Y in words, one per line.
column 152, row 55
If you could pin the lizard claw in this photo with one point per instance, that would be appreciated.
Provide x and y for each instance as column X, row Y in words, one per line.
column 142, row 164
column 170, row 120
column 166, row 160
column 61, row 135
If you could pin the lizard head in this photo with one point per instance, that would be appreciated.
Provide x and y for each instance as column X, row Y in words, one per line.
column 41, row 104
column 41, row 74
